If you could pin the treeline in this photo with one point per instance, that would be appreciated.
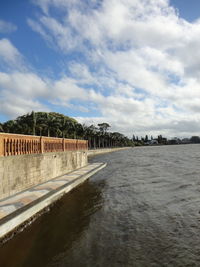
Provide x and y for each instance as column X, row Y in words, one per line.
column 195, row 139
column 160, row 140
column 54, row 124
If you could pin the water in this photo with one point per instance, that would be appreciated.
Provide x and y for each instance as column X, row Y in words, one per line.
column 141, row 210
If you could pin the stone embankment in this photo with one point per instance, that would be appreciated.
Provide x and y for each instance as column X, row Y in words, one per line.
column 95, row 152
column 21, row 207
column 31, row 180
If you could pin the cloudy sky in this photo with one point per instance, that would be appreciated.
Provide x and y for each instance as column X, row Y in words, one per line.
column 132, row 63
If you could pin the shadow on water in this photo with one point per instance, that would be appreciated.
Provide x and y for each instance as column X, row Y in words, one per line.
column 53, row 234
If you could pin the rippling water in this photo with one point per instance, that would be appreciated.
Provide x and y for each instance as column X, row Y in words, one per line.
column 143, row 209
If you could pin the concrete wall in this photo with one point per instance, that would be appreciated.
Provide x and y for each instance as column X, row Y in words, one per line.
column 18, row 173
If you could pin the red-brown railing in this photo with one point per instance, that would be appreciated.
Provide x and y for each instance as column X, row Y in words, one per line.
column 14, row 144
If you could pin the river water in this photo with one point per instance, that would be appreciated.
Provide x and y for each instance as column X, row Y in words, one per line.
column 143, row 209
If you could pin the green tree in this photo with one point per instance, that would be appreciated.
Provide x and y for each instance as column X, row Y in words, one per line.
column 103, row 127
column 59, row 125
column 160, row 139
column 34, row 122
column 195, row 139
column 1, row 127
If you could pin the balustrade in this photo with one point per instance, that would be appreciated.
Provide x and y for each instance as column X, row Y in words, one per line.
column 14, row 144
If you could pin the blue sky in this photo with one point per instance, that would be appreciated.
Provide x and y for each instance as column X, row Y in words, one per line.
column 188, row 9
column 132, row 63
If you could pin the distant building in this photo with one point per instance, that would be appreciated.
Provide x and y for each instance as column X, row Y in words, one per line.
column 185, row 141
column 174, row 141
column 152, row 142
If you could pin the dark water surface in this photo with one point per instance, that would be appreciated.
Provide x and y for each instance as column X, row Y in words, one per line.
column 141, row 210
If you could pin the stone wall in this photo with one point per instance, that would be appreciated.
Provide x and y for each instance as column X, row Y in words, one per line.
column 18, row 173
column 95, row 152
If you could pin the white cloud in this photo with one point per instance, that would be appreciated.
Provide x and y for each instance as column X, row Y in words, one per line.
column 138, row 69
column 81, row 72
column 8, row 52
column 23, row 83
column 10, row 57
column 20, row 93
column 12, row 105
column 7, row 27
column 39, row 29
column 66, row 89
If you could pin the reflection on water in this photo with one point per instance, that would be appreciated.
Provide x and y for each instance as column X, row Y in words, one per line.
column 141, row 210
column 52, row 236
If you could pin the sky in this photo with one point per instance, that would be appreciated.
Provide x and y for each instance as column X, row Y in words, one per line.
column 134, row 64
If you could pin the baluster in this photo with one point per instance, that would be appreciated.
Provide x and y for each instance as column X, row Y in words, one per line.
column 5, row 147
column 17, row 147
column 31, row 148
column 25, row 146
column 25, row 141
column 14, row 147
column 28, row 151
column 10, row 147
column 20, row 147
column 28, row 147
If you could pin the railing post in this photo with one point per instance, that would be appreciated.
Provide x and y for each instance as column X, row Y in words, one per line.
column 41, row 145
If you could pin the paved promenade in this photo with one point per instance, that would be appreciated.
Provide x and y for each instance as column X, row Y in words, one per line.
column 18, row 208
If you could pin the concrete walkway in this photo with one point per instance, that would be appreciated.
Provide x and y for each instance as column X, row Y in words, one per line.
column 18, row 208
